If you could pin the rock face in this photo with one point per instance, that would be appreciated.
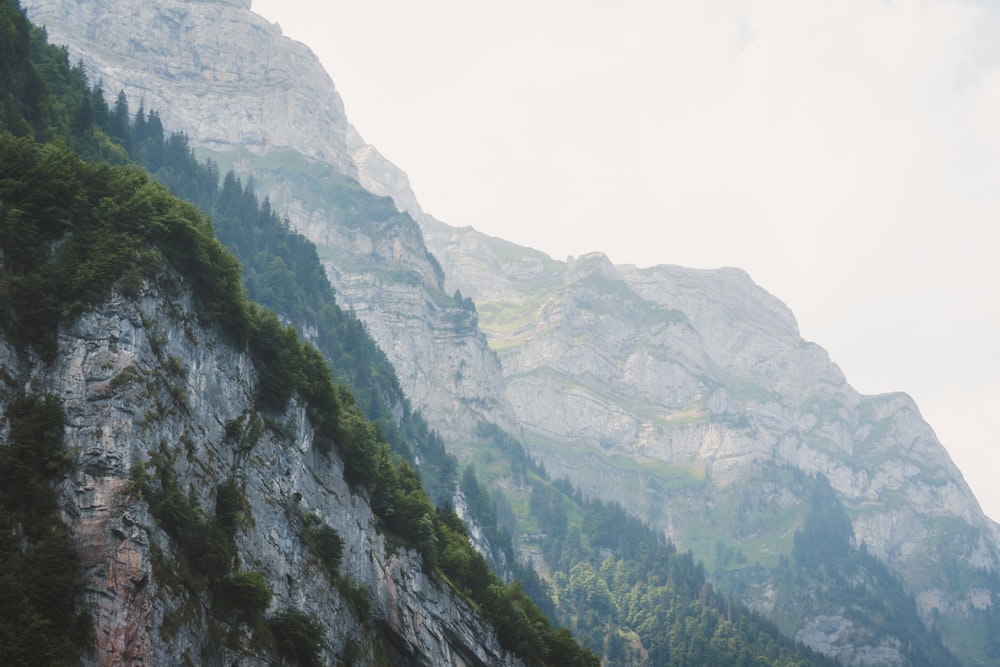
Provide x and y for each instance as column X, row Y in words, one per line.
column 681, row 388
column 136, row 376
column 262, row 104
column 381, row 270
column 225, row 76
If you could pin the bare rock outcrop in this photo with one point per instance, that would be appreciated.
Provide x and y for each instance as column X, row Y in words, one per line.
column 214, row 70
column 142, row 385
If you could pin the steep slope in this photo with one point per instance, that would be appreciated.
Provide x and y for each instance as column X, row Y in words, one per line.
column 71, row 237
column 265, row 244
column 166, row 415
column 267, row 91
column 379, row 266
column 678, row 391
column 699, row 386
column 45, row 290
column 733, row 633
column 260, row 103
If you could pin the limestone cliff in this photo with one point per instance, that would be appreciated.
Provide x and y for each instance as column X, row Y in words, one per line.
column 214, row 70
column 261, row 103
column 141, row 383
column 676, row 391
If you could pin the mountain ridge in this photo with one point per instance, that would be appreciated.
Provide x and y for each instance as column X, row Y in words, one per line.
column 718, row 402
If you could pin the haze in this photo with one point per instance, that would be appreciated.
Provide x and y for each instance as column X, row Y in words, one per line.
column 847, row 155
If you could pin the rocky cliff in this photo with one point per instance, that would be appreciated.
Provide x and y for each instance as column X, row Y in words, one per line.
column 262, row 104
column 264, row 91
column 144, row 387
column 687, row 388
column 684, row 394
column 379, row 265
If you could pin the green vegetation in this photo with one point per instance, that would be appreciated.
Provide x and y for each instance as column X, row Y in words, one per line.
column 299, row 637
column 72, row 232
column 323, row 543
column 619, row 586
column 602, row 566
column 318, row 182
column 824, row 557
column 282, row 271
column 205, row 546
column 39, row 623
column 503, row 318
column 42, row 97
column 615, row 578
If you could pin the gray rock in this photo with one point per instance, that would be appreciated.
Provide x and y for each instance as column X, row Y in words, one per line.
column 125, row 396
column 250, row 97
column 225, row 76
column 705, row 372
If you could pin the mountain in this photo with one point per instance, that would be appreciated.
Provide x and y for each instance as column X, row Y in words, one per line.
column 182, row 481
column 77, row 235
column 687, row 396
column 228, row 79
column 160, row 410
column 684, row 394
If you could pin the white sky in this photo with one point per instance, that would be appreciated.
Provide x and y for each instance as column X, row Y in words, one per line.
column 846, row 154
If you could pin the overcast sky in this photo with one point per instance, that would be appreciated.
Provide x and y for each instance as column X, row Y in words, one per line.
column 846, row 154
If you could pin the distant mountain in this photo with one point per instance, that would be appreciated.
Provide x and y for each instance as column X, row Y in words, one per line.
column 687, row 396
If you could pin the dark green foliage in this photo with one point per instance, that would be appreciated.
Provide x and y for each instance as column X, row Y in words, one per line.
column 322, row 541
column 273, row 344
column 24, row 106
column 358, row 597
column 43, row 97
column 350, row 654
column 614, row 578
column 201, row 540
column 248, row 592
column 205, row 548
column 72, row 231
column 827, row 535
column 466, row 568
column 299, row 637
column 231, row 508
column 824, row 557
column 39, row 624
column 518, row 622
column 32, row 459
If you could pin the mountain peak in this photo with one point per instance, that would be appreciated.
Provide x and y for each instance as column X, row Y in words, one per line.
column 240, row 84
column 590, row 263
